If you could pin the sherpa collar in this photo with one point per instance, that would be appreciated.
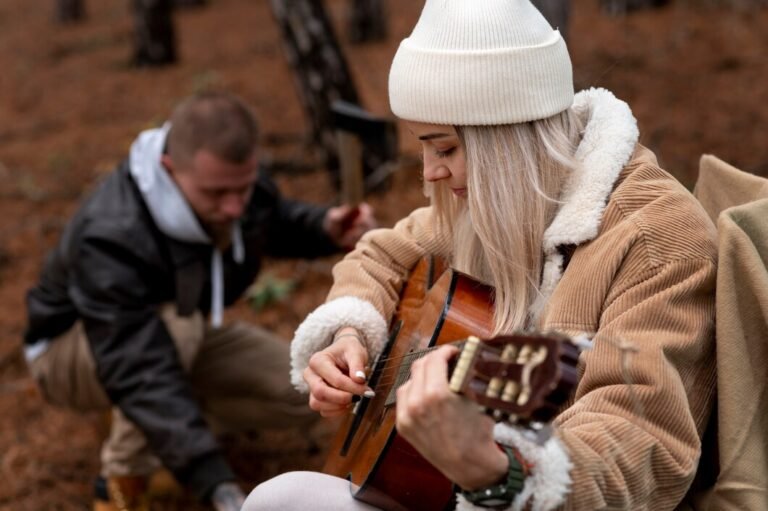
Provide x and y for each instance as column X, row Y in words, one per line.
column 609, row 141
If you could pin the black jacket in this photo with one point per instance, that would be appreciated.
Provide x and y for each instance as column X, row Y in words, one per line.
column 112, row 269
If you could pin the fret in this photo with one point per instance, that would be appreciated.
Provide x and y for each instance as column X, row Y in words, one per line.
column 404, row 374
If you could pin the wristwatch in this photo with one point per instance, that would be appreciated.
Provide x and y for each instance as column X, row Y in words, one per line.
column 501, row 495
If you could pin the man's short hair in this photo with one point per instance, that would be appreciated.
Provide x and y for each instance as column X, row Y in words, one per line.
column 219, row 122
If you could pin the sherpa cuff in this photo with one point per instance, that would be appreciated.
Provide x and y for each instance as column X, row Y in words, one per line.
column 316, row 332
column 549, row 480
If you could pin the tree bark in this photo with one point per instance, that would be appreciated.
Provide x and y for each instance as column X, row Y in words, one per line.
column 155, row 38
column 189, row 3
column 319, row 67
column 745, row 4
column 616, row 7
column 323, row 78
column 367, row 21
column 69, row 11
column 557, row 12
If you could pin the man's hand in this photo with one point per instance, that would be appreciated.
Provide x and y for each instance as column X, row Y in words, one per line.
column 227, row 497
column 448, row 430
column 346, row 224
column 337, row 373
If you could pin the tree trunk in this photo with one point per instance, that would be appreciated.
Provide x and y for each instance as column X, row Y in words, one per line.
column 557, row 13
column 189, row 3
column 319, row 67
column 625, row 6
column 367, row 21
column 323, row 78
column 68, row 11
column 155, row 36
column 745, row 4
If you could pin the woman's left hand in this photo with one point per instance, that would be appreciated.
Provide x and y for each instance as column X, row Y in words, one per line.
column 448, row 430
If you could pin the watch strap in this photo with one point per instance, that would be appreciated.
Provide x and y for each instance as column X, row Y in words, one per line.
column 501, row 495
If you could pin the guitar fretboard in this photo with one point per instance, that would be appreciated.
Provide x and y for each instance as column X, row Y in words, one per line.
column 404, row 370
column 404, row 373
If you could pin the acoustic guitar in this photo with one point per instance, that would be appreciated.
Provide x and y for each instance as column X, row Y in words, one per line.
column 523, row 379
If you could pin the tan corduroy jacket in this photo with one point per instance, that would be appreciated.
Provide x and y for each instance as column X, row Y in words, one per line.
column 640, row 284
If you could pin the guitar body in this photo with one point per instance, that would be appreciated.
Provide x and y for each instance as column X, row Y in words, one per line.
column 522, row 378
column 437, row 306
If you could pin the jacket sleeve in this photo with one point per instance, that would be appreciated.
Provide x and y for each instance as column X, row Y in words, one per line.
column 366, row 288
column 136, row 360
column 295, row 228
column 645, row 391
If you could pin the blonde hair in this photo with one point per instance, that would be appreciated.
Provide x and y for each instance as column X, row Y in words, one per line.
column 515, row 173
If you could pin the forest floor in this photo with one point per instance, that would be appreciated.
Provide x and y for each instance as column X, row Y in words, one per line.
column 70, row 104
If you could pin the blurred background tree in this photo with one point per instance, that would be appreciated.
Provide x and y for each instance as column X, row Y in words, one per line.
column 155, row 37
column 625, row 6
column 68, row 11
column 557, row 13
column 367, row 21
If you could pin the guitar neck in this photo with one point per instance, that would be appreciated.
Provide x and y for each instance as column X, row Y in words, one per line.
column 404, row 373
column 504, row 379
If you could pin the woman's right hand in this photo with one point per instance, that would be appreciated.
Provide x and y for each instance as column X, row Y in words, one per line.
column 337, row 373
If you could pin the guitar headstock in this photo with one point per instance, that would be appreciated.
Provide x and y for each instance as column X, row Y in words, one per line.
column 520, row 378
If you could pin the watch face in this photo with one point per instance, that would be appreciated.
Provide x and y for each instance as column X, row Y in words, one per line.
column 492, row 502
column 492, row 497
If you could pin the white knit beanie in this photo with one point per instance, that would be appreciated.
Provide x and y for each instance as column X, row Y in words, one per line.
column 480, row 62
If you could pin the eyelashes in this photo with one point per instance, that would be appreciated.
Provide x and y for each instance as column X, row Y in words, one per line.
column 437, row 152
column 446, row 153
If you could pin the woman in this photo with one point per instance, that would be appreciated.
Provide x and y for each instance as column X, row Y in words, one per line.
column 549, row 198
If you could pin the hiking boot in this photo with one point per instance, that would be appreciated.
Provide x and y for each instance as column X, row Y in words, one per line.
column 125, row 493
column 134, row 493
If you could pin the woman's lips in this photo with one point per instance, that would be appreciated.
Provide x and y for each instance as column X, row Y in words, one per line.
column 459, row 192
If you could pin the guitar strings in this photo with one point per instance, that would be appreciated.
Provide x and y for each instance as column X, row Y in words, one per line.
column 458, row 344
column 391, row 374
column 412, row 354
column 393, row 370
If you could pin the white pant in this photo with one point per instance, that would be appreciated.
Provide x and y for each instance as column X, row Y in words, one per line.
column 302, row 491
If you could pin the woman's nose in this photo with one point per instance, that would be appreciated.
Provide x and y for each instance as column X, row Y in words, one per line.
column 436, row 172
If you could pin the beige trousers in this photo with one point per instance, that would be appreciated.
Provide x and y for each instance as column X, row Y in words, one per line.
column 238, row 372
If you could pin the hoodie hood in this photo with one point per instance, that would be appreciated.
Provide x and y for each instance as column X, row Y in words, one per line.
column 172, row 213
column 169, row 209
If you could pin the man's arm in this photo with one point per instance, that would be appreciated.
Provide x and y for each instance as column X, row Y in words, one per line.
column 300, row 229
column 293, row 228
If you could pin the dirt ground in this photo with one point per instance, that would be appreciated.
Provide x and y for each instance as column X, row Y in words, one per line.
column 70, row 106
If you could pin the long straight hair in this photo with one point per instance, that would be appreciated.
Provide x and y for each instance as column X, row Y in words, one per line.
column 515, row 174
